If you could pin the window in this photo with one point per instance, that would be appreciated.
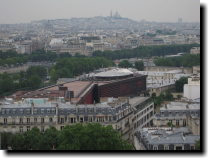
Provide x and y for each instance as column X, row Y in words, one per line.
column 21, row 111
column 21, row 120
column 7, row 111
column 35, row 120
column 42, row 120
column 155, row 148
column 62, row 120
column 192, row 147
column 3, row 111
column 81, row 120
column 21, row 129
column 184, row 122
column 5, row 120
column 28, row 111
column 14, row 111
column 42, row 111
column 177, row 122
column 13, row 120
column 71, row 120
column 35, row 111
column 50, row 120
column 28, row 128
column 28, row 120
column 90, row 119
column 166, row 147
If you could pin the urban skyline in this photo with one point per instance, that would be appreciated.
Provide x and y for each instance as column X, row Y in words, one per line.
column 165, row 11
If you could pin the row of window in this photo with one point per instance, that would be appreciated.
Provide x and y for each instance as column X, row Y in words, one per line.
column 143, row 120
column 26, row 111
column 177, row 113
column 28, row 120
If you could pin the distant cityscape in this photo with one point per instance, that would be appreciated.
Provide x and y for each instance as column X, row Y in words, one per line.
column 142, row 78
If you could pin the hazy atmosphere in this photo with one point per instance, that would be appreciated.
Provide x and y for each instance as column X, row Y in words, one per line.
column 19, row 11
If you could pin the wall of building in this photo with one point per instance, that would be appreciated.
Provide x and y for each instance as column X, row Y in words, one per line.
column 127, row 87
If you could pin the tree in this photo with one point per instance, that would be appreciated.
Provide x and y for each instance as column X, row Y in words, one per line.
column 197, row 145
column 125, row 64
column 139, row 65
column 179, row 84
column 170, row 124
column 34, row 82
column 37, row 70
column 91, row 136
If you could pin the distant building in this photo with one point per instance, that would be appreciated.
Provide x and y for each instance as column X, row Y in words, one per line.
column 195, row 50
column 176, row 113
column 192, row 89
column 165, row 139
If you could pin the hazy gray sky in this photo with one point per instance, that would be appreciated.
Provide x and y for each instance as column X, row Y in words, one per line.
column 17, row 11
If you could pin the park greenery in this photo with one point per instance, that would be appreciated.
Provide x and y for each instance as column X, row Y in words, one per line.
column 33, row 78
column 139, row 65
column 91, row 136
column 179, row 84
column 12, row 58
column 75, row 66
column 187, row 60
column 145, row 51
column 125, row 64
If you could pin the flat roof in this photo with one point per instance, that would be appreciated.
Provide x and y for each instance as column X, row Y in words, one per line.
column 181, row 106
column 136, row 100
column 76, row 86
column 114, row 73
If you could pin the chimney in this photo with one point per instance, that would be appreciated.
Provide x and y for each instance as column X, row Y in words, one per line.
column 32, row 107
column 56, row 108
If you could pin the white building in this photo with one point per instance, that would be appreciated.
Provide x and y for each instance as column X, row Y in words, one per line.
column 192, row 89
column 195, row 50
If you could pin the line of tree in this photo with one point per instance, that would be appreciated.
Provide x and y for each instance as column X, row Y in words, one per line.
column 187, row 60
column 145, row 51
column 74, row 66
column 12, row 58
column 91, row 136
column 139, row 65
column 33, row 78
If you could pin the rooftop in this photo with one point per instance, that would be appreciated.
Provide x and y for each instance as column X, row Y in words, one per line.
column 167, row 136
column 114, row 73
column 181, row 106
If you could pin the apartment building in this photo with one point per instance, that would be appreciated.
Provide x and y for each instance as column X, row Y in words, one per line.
column 165, row 139
column 177, row 114
column 118, row 112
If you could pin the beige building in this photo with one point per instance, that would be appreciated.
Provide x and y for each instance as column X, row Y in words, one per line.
column 177, row 113
column 22, row 116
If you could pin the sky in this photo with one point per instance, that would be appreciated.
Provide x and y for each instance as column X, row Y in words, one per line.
column 21, row 11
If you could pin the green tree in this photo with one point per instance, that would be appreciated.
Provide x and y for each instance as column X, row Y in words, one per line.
column 37, row 70
column 139, row 65
column 179, row 84
column 91, row 136
column 197, row 145
column 34, row 82
column 125, row 64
